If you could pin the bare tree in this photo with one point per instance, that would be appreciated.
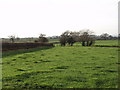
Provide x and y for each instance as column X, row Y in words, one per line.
column 12, row 38
column 63, row 38
column 104, row 36
column 42, row 38
column 86, row 37
column 42, row 35
column 75, row 36
column 67, row 37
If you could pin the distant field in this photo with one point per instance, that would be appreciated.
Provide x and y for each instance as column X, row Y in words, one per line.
column 61, row 67
column 99, row 42
column 107, row 42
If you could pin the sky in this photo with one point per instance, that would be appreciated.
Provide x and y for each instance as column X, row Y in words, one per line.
column 29, row 18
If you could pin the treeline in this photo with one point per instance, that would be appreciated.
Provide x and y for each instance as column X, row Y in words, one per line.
column 14, row 39
column 86, row 37
column 104, row 36
column 43, row 38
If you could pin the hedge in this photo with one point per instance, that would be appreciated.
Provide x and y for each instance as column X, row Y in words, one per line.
column 14, row 46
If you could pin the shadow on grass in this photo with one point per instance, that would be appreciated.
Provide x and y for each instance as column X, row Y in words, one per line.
column 18, row 82
column 21, row 51
column 24, row 76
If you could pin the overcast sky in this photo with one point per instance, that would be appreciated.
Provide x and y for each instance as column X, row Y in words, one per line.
column 29, row 18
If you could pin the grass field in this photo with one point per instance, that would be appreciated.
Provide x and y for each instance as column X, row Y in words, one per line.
column 61, row 67
column 100, row 42
column 106, row 42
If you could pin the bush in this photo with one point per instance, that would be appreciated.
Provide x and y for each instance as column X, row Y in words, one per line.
column 14, row 46
column 36, row 41
column 43, row 39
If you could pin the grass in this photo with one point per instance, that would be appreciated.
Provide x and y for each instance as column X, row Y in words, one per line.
column 107, row 42
column 100, row 42
column 61, row 67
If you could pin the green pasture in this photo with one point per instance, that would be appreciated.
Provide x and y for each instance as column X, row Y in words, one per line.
column 61, row 67
column 107, row 42
column 100, row 42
